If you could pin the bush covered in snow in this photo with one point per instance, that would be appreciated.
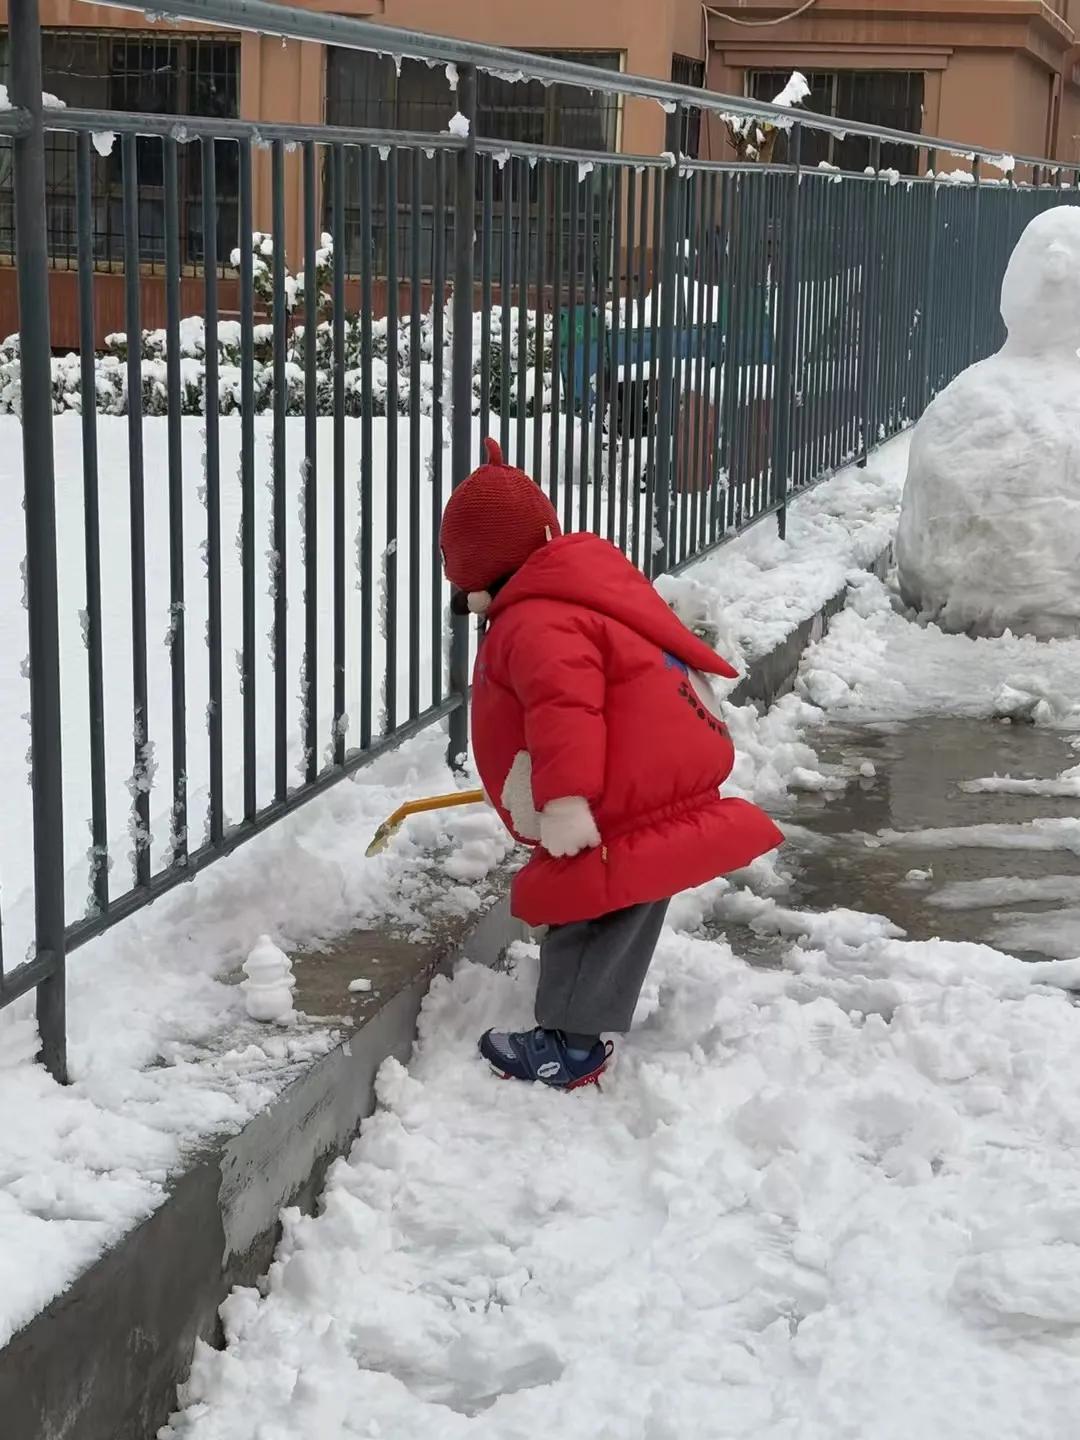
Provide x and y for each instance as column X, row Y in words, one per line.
column 111, row 367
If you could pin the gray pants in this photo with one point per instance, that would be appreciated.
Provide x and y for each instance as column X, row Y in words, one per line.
column 592, row 971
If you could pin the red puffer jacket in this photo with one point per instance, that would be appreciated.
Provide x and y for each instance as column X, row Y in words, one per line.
column 584, row 686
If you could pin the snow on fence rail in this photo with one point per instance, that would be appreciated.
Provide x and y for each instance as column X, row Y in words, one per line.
column 233, row 587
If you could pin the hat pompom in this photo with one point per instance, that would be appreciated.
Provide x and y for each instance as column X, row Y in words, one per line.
column 479, row 601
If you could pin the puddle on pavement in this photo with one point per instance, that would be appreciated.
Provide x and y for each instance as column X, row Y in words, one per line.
column 1024, row 901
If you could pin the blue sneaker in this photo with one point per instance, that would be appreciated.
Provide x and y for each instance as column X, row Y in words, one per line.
column 543, row 1055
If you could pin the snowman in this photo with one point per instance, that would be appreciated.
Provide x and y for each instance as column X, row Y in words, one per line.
column 989, row 534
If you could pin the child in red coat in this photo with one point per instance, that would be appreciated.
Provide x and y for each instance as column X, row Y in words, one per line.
column 600, row 743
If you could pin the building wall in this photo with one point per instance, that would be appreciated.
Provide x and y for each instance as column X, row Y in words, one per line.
column 990, row 68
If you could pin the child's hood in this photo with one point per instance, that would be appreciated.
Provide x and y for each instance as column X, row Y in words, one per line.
column 586, row 571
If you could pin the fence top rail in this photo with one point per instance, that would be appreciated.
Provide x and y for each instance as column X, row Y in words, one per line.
column 187, row 128
column 262, row 16
column 184, row 128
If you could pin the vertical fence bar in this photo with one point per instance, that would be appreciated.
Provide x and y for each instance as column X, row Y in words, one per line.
column 587, row 372
column 976, row 269
column 856, row 199
column 574, row 187
column 522, row 310
column 867, row 327
column 140, row 776
column 461, row 381
column 783, row 390
column 390, row 559
column 671, row 193
column 539, row 276
column 506, row 290
column 438, row 315
column 367, row 457
column 638, row 548
column 177, row 627
column 279, row 537
column 99, row 824
column 212, row 409
column 600, row 403
column 337, row 203
column 35, row 368
column 733, row 345
column 707, row 428
column 615, row 443
column 556, row 330
column 625, row 388
column 717, row 481
column 486, row 237
column 655, row 374
column 687, row 294
column 831, row 203
column 310, row 686
column 415, row 342
column 247, row 478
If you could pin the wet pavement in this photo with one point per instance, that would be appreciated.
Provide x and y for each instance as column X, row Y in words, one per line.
column 854, row 846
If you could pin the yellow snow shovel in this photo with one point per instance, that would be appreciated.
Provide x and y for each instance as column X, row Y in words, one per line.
column 389, row 828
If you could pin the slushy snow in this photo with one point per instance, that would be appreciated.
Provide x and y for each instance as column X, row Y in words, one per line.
column 989, row 534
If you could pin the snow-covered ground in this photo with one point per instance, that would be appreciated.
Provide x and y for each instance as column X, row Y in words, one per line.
column 836, row 1199
column 162, row 1053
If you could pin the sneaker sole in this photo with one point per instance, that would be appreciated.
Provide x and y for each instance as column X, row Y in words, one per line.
column 593, row 1079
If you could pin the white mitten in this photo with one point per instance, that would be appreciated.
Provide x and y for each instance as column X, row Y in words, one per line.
column 567, row 827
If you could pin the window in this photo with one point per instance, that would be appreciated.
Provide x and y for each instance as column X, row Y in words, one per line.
column 876, row 97
column 375, row 92
column 529, row 112
column 141, row 72
column 685, row 71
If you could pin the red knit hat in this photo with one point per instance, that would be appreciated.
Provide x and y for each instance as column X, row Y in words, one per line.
column 492, row 523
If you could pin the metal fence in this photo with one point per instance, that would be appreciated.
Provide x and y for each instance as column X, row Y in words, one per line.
column 672, row 348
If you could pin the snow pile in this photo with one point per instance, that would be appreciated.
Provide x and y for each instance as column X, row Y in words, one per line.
column 861, row 1166
column 989, row 535
column 748, row 596
column 875, row 663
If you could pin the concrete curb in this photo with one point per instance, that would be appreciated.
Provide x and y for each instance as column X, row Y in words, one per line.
column 773, row 675
column 102, row 1362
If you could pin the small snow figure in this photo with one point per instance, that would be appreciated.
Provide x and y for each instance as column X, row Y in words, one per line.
column 989, row 534
column 270, row 982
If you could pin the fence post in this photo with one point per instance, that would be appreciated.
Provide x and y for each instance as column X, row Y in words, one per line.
column 783, row 368
column 658, row 555
column 461, row 365
column 35, row 367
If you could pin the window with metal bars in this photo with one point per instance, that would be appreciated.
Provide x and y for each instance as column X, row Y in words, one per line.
column 375, row 92
column 142, row 72
column 893, row 98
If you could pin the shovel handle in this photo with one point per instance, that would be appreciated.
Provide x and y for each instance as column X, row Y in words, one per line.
column 391, row 826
